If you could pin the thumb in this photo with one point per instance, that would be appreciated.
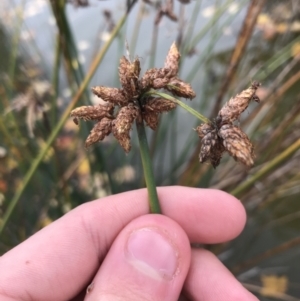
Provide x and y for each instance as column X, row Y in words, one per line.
column 148, row 260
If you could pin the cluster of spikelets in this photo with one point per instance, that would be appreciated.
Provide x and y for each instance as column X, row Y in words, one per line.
column 129, row 103
column 222, row 135
column 132, row 103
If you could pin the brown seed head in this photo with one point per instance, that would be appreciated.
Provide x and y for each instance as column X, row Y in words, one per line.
column 216, row 154
column 100, row 130
column 158, row 105
column 123, row 123
column 151, row 118
column 129, row 76
column 112, row 95
column 172, row 60
column 209, row 139
column 180, row 88
column 203, row 129
column 92, row 112
column 155, row 78
column 232, row 110
column 207, row 144
column 237, row 143
column 147, row 79
column 159, row 83
column 131, row 94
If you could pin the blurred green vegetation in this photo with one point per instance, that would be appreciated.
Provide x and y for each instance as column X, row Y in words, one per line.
column 45, row 171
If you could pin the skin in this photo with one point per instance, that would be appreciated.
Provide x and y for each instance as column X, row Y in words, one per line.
column 123, row 253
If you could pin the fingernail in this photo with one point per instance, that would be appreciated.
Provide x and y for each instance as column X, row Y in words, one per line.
column 153, row 253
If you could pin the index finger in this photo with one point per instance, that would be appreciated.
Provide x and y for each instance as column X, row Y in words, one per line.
column 61, row 259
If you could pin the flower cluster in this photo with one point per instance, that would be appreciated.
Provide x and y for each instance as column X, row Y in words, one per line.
column 165, row 8
column 222, row 135
column 129, row 103
column 35, row 101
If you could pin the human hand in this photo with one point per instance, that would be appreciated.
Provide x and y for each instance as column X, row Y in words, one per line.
column 124, row 253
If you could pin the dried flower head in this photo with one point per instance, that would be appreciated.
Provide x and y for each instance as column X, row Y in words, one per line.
column 159, row 105
column 238, row 104
column 211, row 144
column 93, row 112
column 123, row 123
column 129, row 77
column 127, row 104
column 152, row 107
column 101, row 129
column 34, row 101
column 158, row 78
column 237, row 144
column 222, row 135
column 172, row 60
column 114, row 96
column 151, row 119
column 180, row 88
column 209, row 139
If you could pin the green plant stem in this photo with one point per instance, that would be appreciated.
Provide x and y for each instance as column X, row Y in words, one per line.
column 15, row 45
column 276, row 61
column 137, row 27
column 215, row 36
column 55, row 81
column 58, row 127
column 147, row 167
column 153, row 46
column 212, row 21
column 13, row 61
column 68, row 45
column 191, row 26
column 267, row 168
column 180, row 103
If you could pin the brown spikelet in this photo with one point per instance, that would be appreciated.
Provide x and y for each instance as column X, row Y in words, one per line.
column 155, row 78
column 129, row 76
column 232, row 110
column 172, row 60
column 211, row 145
column 100, row 130
column 180, row 88
column 124, row 69
column 123, row 123
column 158, row 105
column 209, row 139
column 111, row 95
column 147, row 78
column 203, row 129
column 206, row 147
column 151, row 118
column 216, row 154
column 92, row 112
column 159, row 83
column 237, row 143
